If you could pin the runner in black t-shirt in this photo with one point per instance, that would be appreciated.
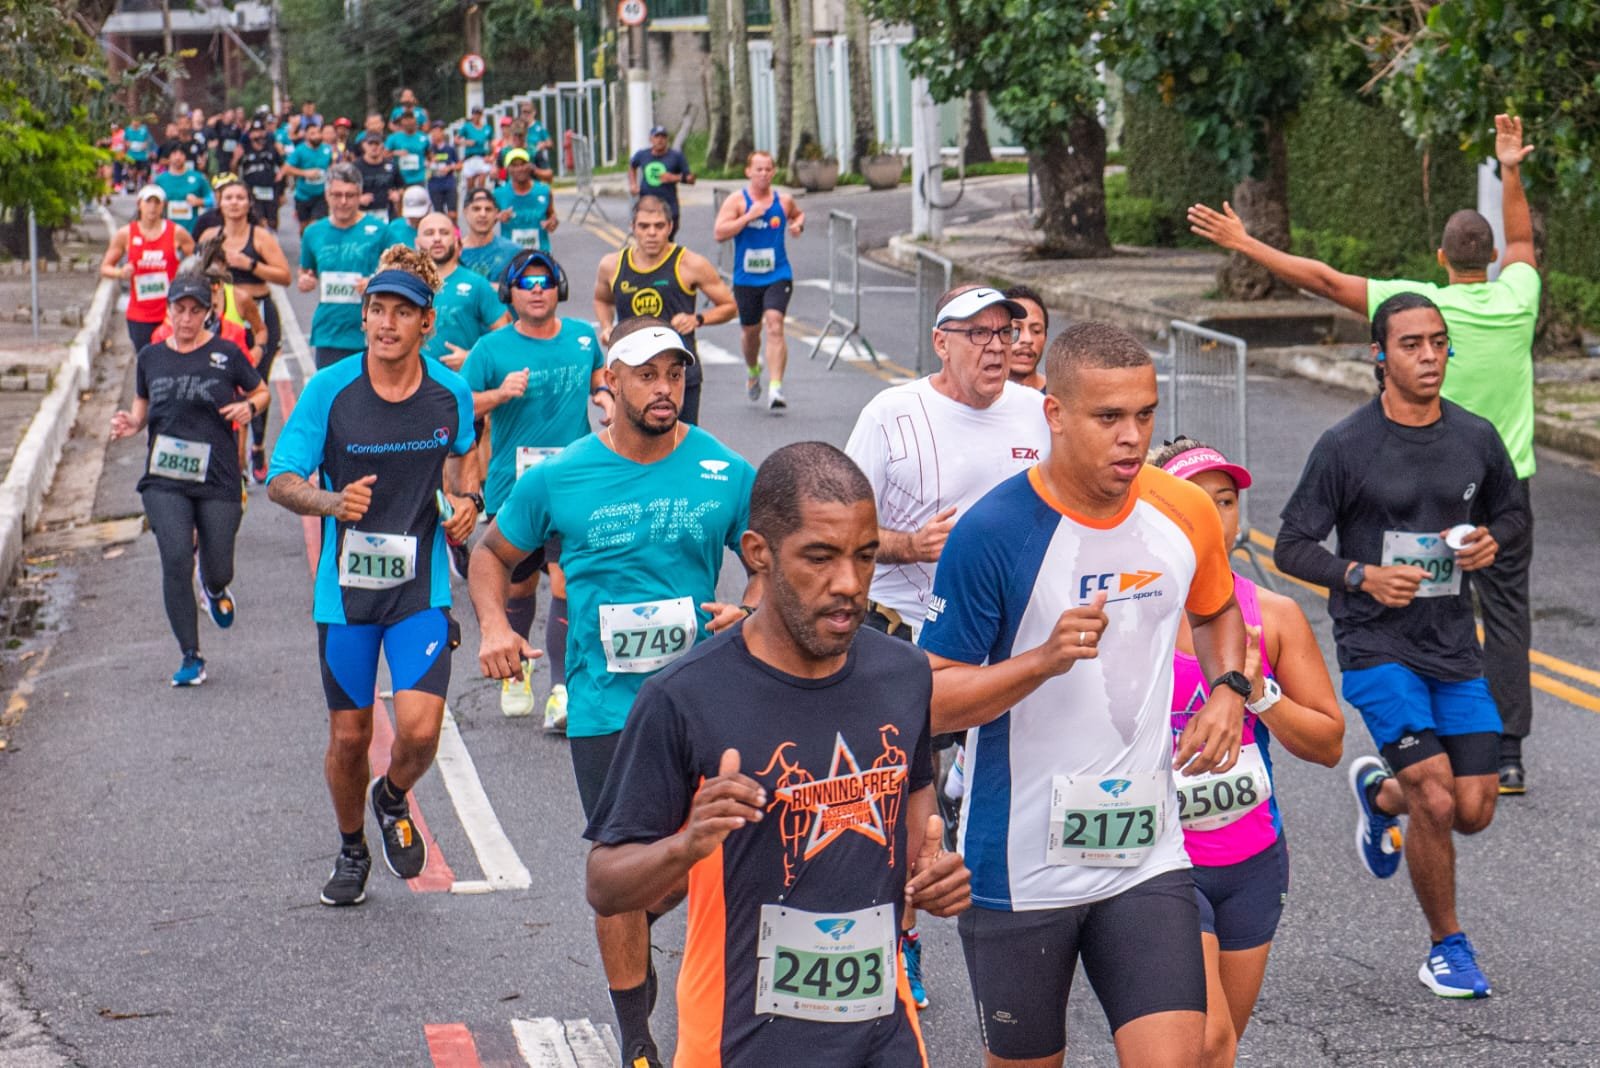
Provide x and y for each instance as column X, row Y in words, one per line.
column 188, row 394
column 258, row 163
column 1421, row 494
column 380, row 180
column 784, row 771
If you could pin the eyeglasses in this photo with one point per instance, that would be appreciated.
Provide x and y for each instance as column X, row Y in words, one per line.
column 531, row 282
column 331, row 195
column 982, row 335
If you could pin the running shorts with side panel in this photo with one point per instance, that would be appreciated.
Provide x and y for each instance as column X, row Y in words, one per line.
column 1242, row 903
column 755, row 301
column 417, row 649
column 1140, row 950
column 1412, row 717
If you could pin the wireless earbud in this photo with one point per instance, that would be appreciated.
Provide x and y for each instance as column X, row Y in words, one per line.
column 1449, row 352
column 1381, row 356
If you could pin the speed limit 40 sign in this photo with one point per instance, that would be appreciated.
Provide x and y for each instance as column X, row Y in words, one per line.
column 472, row 66
column 631, row 12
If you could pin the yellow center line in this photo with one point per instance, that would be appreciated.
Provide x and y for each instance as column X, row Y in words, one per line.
column 1573, row 671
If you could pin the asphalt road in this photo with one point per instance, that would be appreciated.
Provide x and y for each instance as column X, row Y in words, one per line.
column 163, row 849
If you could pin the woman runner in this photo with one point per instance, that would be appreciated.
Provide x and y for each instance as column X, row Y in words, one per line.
column 187, row 399
column 153, row 246
column 1232, row 829
column 255, row 260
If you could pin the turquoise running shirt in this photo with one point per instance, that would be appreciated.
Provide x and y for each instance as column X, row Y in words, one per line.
column 341, row 258
column 465, row 309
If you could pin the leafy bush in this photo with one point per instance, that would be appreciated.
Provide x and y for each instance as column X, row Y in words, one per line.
column 1574, row 299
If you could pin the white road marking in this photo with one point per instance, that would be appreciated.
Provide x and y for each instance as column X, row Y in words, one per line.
column 502, row 868
column 295, row 346
column 713, row 354
column 550, row 1043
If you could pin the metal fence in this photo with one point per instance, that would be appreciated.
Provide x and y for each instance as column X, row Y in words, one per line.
column 583, row 108
column 719, row 193
column 844, row 290
column 583, row 168
column 1205, row 398
column 933, row 280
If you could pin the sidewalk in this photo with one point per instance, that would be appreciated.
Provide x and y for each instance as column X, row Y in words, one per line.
column 40, row 380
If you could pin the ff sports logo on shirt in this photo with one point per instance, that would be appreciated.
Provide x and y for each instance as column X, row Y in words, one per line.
column 1119, row 585
column 813, row 813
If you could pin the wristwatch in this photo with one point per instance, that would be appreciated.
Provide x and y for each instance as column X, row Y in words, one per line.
column 1355, row 577
column 476, row 499
column 1270, row 693
column 1237, row 681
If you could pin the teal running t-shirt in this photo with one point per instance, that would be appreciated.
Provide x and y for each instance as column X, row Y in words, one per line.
column 179, row 187
column 641, row 546
column 341, row 258
column 410, row 155
column 465, row 309
column 311, row 157
column 528, row 211
column 552, row 414
column 399, row 231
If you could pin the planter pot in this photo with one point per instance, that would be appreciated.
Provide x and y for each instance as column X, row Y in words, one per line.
column 817, row 175
column 882, row 172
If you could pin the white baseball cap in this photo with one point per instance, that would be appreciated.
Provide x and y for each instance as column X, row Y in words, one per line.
column 415, row 203
column 152, row 190
column 973, row 301
column 645, row 345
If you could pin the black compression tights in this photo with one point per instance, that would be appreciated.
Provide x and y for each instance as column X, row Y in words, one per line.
column 269, row 352
column 180, row 524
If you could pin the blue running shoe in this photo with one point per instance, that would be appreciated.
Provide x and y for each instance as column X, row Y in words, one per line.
column 220, row 605
column 1452, row 971
column 1378, row 838
column 192, row 673
column 911, row 945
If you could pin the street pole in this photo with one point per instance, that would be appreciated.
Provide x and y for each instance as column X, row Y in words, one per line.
column 927, row 165
column 168, row 49
column 1489, row 194
column 639, row 105
column 474, row 38
column 33, row 267
column 280, row 86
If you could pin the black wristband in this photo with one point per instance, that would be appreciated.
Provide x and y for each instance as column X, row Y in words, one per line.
column 1237, row 681
column 601, row 389
column 748, row 610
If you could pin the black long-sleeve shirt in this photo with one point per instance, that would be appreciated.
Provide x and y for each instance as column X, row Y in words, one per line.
column 1368, row 476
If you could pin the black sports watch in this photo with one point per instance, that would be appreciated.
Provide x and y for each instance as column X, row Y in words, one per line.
column 1355, row 577
column 1237, row 681
column 476, row 499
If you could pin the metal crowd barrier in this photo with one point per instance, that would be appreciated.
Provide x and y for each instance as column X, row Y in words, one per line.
column 719, row 193
column 933, row 281
column 844, row 290
column 1206, row 399
column 583, row 168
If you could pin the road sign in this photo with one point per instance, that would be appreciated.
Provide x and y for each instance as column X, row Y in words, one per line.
column 631, row 12
column 472, row 66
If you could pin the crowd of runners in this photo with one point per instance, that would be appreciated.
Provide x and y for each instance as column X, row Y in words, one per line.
column 990, row 660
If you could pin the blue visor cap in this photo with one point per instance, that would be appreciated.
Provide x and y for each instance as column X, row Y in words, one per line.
column 402, row 284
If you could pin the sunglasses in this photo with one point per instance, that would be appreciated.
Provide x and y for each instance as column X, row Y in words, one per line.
column 532, row 282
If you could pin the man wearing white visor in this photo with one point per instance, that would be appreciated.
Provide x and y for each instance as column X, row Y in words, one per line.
column 931, row 448
column 645, row 511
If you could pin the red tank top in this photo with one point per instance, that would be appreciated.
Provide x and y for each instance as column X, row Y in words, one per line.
column 154, row 264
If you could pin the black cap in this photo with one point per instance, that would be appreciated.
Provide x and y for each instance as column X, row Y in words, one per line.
column 191, row 286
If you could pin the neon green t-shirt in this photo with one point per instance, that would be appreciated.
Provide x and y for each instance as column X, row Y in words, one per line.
column 1491, row 328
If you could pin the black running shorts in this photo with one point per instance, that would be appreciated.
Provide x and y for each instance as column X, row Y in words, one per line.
column 591, row 760
column 754, row 301
column 1242, row 903
column 1140, row 950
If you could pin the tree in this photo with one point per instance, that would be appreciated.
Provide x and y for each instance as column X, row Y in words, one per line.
column 55, row 98
column 1237, row 71
column 741, row 124
column 864, row 124
column 1037, row 61
column 803, row 123
column 978, row 150
column 782, row 78
column 718, row 93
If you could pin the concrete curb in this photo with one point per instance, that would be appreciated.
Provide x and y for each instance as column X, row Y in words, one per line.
column 34, row 464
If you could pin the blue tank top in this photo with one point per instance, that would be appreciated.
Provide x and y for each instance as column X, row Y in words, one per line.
column 760, row 246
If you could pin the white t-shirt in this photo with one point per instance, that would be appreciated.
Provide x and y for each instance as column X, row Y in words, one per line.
column 924, row 452
column 1011, row 567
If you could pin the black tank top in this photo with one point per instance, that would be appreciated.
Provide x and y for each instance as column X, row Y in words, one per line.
column 247, row 277
column 660, row 292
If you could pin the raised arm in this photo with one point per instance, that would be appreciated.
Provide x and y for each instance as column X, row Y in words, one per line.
column 1226, row 230
column 1516, row 220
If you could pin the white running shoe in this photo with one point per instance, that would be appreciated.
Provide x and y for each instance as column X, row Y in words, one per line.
column 775, row 401
column 516, row 695
column 555, row 711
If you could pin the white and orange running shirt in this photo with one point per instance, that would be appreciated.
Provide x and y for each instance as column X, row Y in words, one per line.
column 923, row 452
column 1013, row 564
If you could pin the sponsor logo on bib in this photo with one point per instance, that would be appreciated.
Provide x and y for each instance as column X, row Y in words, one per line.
column 1115, row 787
column 835, row 929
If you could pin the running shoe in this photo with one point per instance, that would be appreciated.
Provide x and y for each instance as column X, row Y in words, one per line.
column 348, row 883
column 191, row 673
column 258, row 465
column 752, row 385
column 220, row 605
column 775, row 401
column 912, row 947
column 642, row 1055
column 1452, row 971
column 555, row 710
column 516, row 695
column 460, row 555
column 1378, row 837
column 404, row 851
column 1513, row 780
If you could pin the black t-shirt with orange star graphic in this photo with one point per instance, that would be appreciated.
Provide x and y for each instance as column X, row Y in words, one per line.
column 839, row 757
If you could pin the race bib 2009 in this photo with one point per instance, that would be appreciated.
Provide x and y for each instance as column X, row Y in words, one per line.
column 1429, row 552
